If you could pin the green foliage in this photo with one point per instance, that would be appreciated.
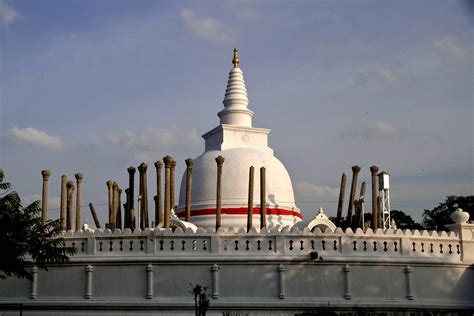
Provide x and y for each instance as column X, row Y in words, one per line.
column 438, row 218
column 404, row 221
column 22, row 237
column 201, row 301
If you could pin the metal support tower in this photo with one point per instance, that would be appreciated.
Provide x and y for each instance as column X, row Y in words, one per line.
column 384, row 191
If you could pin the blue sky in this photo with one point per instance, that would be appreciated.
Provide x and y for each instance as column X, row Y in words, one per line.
column 96, row 86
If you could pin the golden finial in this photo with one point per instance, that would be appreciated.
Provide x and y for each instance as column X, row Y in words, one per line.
column 235, row 60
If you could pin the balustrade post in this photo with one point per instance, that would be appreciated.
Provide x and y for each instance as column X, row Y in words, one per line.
column 347, row 270
column 149, row 272
column 281, row 278
column 89, row 280
column 215, row 281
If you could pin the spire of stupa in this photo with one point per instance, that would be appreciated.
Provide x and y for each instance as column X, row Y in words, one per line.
column 236, row 102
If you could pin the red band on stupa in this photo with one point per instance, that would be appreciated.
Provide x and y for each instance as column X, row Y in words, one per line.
column 240, row 211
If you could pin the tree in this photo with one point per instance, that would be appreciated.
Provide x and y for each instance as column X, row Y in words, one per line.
column 438, row 217
column 404, row 221
column 201, row 301
column 22, row 237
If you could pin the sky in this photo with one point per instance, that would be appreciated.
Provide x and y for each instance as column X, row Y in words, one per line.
column 95, row 86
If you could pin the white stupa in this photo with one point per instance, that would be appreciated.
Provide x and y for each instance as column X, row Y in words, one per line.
column 242, row 146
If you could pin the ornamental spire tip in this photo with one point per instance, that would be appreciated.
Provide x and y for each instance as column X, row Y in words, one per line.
column 235, row 60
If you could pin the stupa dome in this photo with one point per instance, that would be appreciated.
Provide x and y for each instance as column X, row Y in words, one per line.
column 242, row 146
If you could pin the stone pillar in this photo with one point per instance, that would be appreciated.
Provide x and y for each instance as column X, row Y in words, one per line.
column 342, row 192
column 110, row 197
column 189, row 177
column 79, row 178
column 220, row 162
column 94, row 215
column 281, row 279
column 167, row 216
column 130, row 195
column 126, row 214
column 34, row 282
column 347, row 270
column 144, row 196
column 118, row 218
column 250, row 199
column 408, row 270
column 44, row 200
column 172, row 192
column 355, row 174
column 89, row 279
column 62, row 208
column 374, row 170
column 113, row 221
column 263, row 198
column 215, row 281
column 149, row 273
column 70, row 192
column 158, row 198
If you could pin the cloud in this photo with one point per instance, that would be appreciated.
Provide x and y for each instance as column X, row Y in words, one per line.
column 451, row 46
column 8, row 14
column 36, row 137
column 386, row 74
column 152, row 140
column 378, row 73
column 309, row 192
column 204, row 27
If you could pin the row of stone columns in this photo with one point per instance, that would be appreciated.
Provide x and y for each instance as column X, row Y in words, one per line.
column 357, row 206
column 66, row 203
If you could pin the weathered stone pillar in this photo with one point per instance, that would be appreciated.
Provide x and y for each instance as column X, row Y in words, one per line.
column 144, row 196
column 355, row 174
column 126, row 214
column 118, row 220
column 158, row 197
column 189, row 177
column 347, row 270
column 342, row 192
column 94, row 215
column 110, row 197
column 44, row 200
column 374, row 170
column 62, row 208
column 149, row 273
column 113, row 222
column 250, row 199
column 281, row 279
column 263, row 198
column 79, row 178
column 70, row 192
column 34, row 282
column 172, row 182
column 130, row 196
column 215, row 281
column 408, row 270
column 220, row 162
column 167, row 216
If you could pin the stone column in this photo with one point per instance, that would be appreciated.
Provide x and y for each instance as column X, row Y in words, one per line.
column 89, row 279
column 79, row 178
column 113, row 219
column 110, row 196
column 167, row 216
column 158, row 198
column 126, row 215
column 44, row 201
column 189, row 177
column 374, row 170
column 144, row 196
column 34, row 282
column 347, row 270
column 149, row 272
column 281, row 277
column 118, row 218
column 355, row 174
column 250, row 199
column 172, row 192
column 130, row 195
column 408, row 270
column 62, row 208
column 70, row 192
column 263, row 198
column 220, row 162
column 94, row 215
column 342, row 192
column 215, row 281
